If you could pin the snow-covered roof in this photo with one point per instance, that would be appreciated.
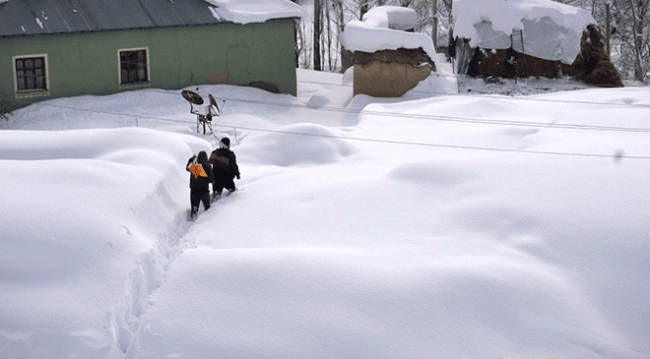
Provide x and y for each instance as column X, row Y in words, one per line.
column 382, row 29
column 24, row 17
column 551, row 30
column 392, row 17
column 247, row 11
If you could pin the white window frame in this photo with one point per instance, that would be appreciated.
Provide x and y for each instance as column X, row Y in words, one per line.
column 34, row 93
column 119, row 69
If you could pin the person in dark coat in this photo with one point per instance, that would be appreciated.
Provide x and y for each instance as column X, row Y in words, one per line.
column 201, row 176
column 225, row 167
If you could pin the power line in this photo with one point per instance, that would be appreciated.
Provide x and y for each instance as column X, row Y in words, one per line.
column 448, row 146
column 383, row 141
column 455, row 118
column 467, row 119
column 442, row 118
column 450, row 118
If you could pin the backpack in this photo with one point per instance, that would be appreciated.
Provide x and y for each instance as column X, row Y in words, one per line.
column 220, row 161
column 198, row 170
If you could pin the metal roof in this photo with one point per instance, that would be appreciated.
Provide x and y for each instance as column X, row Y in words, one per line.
column 30, row 17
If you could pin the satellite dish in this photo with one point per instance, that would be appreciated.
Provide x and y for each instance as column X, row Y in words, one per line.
column 192, row 97
column 213, row 102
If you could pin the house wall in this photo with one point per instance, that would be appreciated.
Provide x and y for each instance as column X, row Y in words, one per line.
column 87, row 63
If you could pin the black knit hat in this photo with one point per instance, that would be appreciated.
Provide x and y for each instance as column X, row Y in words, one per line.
column 226, row 142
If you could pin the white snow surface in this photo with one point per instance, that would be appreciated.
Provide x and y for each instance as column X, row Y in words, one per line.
column 451, row 226
column 391, row 17
column 252, row 11
column 551, row 30
column 382, row 29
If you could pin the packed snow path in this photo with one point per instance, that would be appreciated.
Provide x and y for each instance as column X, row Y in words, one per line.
column 141, row 282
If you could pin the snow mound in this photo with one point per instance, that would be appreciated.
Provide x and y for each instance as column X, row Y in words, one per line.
column 306, row 144
column 88, row 144
column 373, row 296
column 428, row 173
column 89, row 203
column 391, row 17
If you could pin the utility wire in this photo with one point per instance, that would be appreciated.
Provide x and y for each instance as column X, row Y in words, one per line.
column 462, row 147
column 394, row 142
column 468, row 119
column 456, row 119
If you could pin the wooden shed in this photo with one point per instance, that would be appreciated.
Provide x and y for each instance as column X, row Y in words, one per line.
column 536, row 38
column 61, row 48
column 388, row 58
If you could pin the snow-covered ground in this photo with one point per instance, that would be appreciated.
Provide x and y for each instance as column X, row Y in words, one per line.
column 454, row 226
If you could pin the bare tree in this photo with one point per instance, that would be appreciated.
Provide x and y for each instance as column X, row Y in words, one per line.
column 640, row 46
column 303, row 44
column 629, row 32
column 322, row 49
column 365, row 5
column 317, row 35
column 318, row 43
column 631, row 38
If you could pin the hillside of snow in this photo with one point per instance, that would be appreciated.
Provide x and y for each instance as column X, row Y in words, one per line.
column 474, row 225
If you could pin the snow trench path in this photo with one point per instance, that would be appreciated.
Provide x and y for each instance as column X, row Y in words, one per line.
column 124, row 318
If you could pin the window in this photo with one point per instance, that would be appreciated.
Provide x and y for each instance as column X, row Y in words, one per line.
column 31, row 73
column 134, row 66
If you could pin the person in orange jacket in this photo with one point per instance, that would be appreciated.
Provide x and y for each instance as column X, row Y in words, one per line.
column 200, row 178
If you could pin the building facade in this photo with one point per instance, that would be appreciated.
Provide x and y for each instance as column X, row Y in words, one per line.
column 132, row 53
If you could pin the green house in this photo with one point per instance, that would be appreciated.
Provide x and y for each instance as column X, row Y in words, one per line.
column 62, row 48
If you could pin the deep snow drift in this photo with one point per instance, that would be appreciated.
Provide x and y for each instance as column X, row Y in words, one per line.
column 457, row 226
